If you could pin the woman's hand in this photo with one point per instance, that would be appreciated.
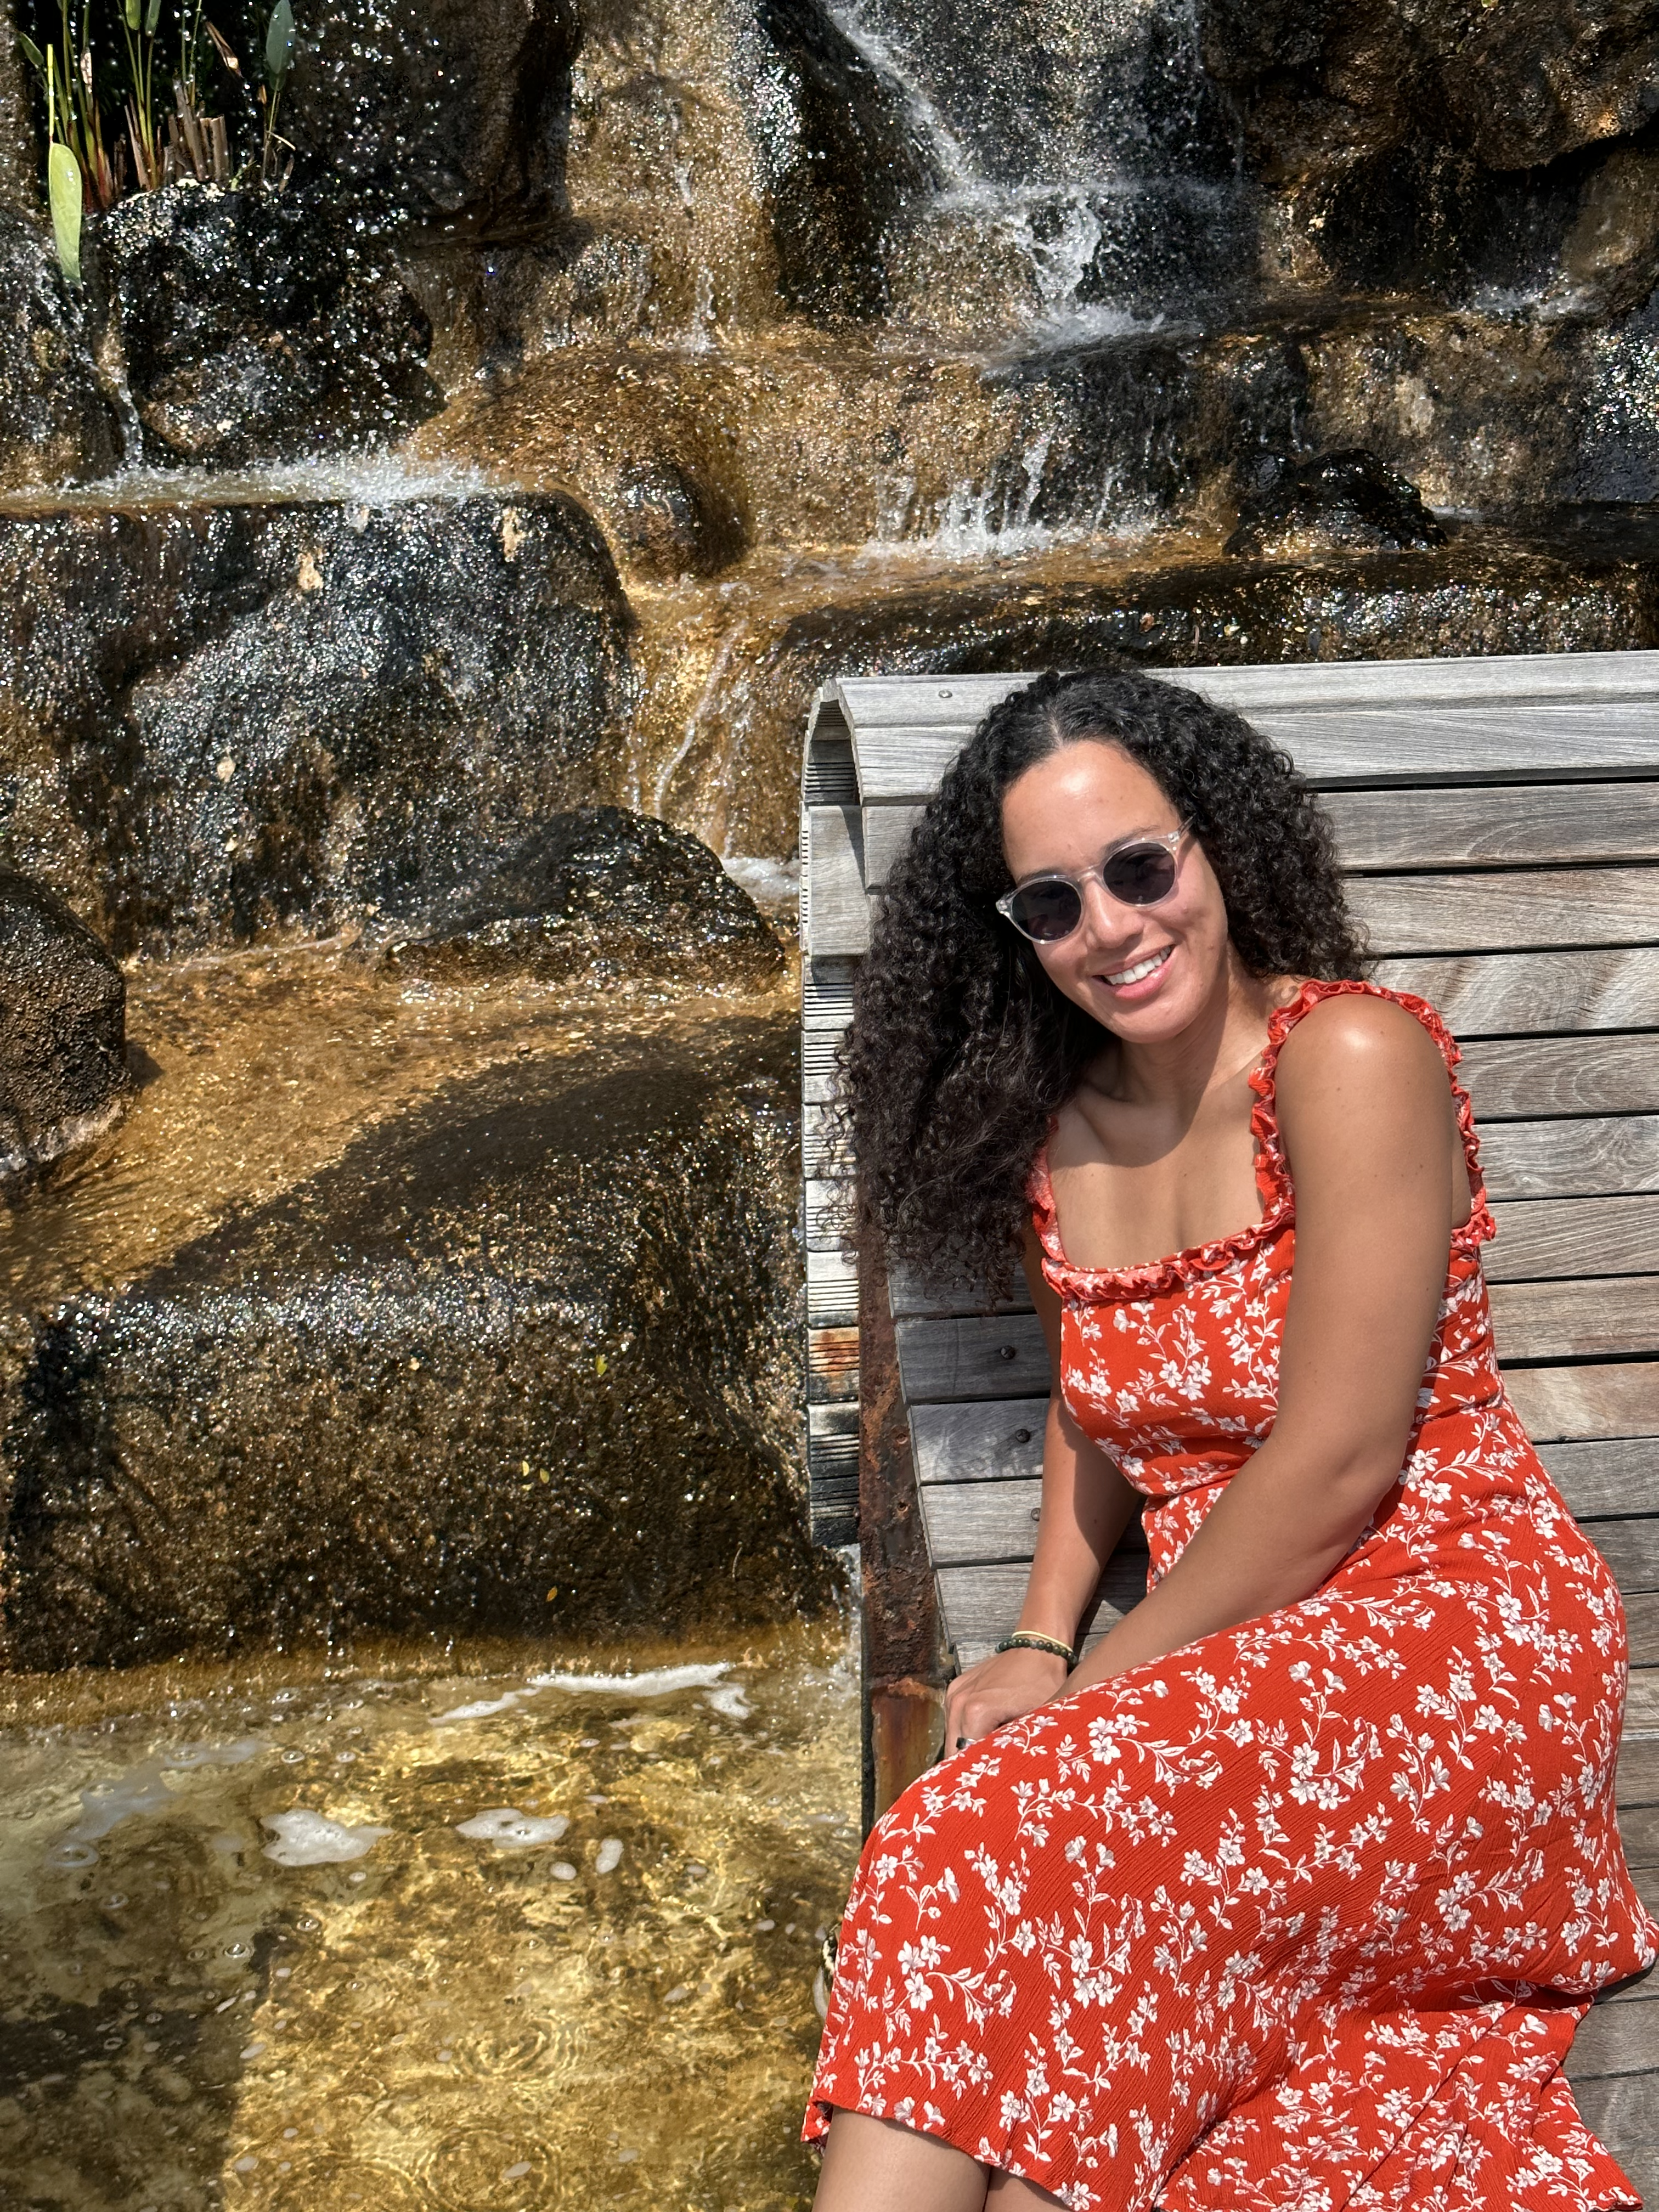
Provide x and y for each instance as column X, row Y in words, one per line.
column 997, row 1690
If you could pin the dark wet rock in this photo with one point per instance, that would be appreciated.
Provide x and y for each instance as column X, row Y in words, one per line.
column 838, row 161
column 1348, row 502
column 216, row 723
column 258, row 327
column 599, row 892
column 57, row 424
column 673, row 523
column 1609, row 259
column 524, row 1359
column 453, row 111
column 1519, row 82
column 64, row 1077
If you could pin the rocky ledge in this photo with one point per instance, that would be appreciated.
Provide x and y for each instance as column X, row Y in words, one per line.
column 521, row 1356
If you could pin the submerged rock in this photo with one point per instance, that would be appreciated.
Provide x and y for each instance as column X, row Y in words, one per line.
column 523, row 1359
column 1558, row 580
column 255, row 327
column 64, row 1077
column 672, row 522
column 1349, row 501
column 217, row 722
column 603, row 893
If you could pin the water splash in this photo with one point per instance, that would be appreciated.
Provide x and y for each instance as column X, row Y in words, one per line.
column 378, row 479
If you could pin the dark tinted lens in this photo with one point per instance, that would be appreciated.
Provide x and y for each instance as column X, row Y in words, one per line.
column 1045, row 910
column 1140, row 875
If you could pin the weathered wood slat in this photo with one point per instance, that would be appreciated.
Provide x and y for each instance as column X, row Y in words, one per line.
column 1562, row 1238
column 980, row 1357
column 1639, row 1830
column 1512, row 993
column 998, row 1521
column 999, row 1441
column 832, row 1472
column 832, row 1290
column 1587, row 1157
column 1642, row 1613
column 1558, row 1403
column 1495, row 825
column 1615, row 2039
column 1506, row 909
column 968, row 1522
column 825, row 1207
column 1515, row 1078
column 1489, row 825
column 1624, row 2112
column 1631, row 1548
column 1599, row 1155
column 835, row 905
column 1371, row 745
column 1280, row 686
column 995, row 1440
column 832, row 1364
column 982, row 1603
column 1001, row 1356
column 1638, row 1772
column 1606, row 1477
column 1615, row 1318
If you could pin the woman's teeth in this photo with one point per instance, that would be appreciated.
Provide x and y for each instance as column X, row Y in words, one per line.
column 1141, row 968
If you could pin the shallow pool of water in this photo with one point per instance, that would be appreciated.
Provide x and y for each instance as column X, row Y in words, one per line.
column 494, row 1931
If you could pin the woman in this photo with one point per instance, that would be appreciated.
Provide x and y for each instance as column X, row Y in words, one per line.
column 1292, row 1891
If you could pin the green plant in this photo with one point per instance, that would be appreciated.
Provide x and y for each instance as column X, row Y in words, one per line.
column 279, row 59
column 138, row 26
column 74, row 122
column 64, row 189
column 195, row 143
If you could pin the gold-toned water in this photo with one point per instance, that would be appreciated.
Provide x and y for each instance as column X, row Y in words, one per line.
column 619, row 2015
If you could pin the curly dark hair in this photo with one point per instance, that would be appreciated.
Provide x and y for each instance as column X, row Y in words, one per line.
column 961, row 1051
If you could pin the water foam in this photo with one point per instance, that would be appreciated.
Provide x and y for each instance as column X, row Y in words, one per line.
column 510, row 1830
column 304, row 1839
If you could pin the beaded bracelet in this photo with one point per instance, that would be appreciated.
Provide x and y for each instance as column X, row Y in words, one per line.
column 1027, row 1639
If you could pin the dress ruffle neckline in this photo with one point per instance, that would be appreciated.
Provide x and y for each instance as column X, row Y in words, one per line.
column 1156, row 1278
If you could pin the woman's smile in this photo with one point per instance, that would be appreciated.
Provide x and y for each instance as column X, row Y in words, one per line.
column 1149, row 972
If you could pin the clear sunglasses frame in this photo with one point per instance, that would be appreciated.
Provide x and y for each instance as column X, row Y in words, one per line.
column 1171, row 840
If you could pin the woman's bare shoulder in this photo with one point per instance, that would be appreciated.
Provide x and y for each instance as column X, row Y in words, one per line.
column 1355, row 1062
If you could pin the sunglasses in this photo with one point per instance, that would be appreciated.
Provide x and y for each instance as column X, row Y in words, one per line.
column 1139, row 873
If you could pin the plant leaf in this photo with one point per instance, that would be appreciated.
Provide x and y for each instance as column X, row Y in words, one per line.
column 226, row 51
column 153, row 18
column 32, row 54
column 131, row 9
column 279, row 42
column 64, row 189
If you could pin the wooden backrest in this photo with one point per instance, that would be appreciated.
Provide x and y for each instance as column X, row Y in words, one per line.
column 1499, row 821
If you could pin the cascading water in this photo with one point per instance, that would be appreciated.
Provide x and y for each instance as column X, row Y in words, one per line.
column 1080, row 156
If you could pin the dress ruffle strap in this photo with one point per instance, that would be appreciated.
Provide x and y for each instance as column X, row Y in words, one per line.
column 1272, row 1170
column 1156, row 1278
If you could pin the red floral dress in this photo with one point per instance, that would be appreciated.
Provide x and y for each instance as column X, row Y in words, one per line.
column 1305, row 1914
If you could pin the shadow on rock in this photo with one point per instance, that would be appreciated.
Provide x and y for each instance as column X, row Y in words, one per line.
column 523, row 1359
column 617, row 897
column 64, row 1075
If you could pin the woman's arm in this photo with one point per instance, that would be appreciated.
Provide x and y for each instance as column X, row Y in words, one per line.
column 1086, row 1505
column 1371, row 1138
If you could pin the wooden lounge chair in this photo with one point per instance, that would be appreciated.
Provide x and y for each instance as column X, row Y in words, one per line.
column 1499, row 821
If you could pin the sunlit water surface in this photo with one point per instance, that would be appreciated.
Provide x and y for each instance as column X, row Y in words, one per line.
column 471, row 1933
